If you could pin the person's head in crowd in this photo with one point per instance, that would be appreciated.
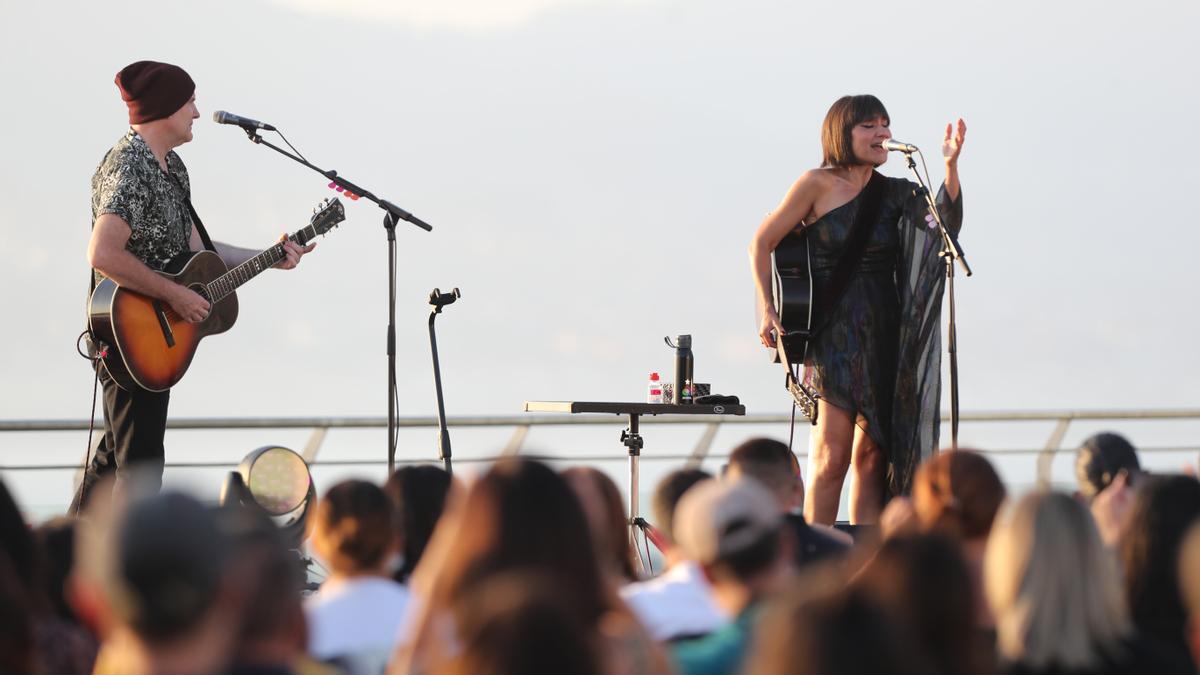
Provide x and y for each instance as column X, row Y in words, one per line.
column 771, row 463
column 353, row 531
column 957, row 493
column 1164, row 507
column 1189, row 584
column 1053, row 587
column 418, row 495
column 517, row 624
column 62, row 644
column 17, row 646
column 518, row 517
column 605, row 511
column 153, row 574
column 1100, row 459
column 18, row 543
column 734, row 530
column 521, row 516
column 923, row 583
column 666, row 498
column 815, row 630
column 271, row 629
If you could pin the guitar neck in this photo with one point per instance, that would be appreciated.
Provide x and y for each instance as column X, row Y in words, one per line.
column 227, row 283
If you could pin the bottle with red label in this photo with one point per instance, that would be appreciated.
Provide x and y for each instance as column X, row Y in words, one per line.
column 654, row 392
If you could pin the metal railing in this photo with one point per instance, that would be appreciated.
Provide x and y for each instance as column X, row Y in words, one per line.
column 522, row 424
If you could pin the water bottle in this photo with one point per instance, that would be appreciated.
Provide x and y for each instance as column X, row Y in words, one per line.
column 654, row 392
column 683, row 367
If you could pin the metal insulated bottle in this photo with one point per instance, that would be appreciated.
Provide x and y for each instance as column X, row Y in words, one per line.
column 683, row 367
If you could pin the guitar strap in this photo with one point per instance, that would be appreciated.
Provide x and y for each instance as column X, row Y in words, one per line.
column 856, row 243
column 195, row 218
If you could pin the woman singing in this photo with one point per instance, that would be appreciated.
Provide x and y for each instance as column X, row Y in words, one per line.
column 875, row 360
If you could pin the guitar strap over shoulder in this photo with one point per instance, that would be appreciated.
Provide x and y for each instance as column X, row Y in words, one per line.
column 208, row 244
column 856, row 243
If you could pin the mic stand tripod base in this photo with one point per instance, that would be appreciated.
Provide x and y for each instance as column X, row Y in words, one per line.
column 632, row 440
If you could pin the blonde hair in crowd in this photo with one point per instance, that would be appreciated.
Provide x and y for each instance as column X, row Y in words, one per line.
column 1053, row 585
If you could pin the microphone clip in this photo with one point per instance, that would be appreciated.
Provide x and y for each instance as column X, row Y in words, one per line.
column 438, row 299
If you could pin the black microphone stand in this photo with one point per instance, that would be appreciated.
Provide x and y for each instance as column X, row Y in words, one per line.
column 393, row 215
column 951, row 253
column 438, row 300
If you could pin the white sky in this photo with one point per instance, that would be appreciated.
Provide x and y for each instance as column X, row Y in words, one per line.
column 593, row 171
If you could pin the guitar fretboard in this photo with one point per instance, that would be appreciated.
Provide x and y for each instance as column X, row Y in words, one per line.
column 227, row 283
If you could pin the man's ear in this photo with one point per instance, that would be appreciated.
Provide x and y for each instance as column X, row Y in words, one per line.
column 89, row 603
column 798, row 495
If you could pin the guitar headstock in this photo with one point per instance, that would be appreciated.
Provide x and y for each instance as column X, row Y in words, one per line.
column 327, row 215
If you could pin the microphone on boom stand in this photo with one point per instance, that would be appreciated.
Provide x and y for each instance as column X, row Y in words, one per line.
column 897, row 146
column 222, row 117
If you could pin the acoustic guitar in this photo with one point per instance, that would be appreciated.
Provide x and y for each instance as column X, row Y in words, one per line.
column 146, row 344
column 793, row 290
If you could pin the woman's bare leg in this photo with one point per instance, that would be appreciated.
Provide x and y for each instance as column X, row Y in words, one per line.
column 866, row 479
column 828, row 460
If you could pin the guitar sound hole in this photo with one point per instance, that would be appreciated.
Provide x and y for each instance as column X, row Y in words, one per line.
column 202, row 291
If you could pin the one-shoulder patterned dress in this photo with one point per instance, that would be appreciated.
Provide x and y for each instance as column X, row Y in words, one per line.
column 878, row 355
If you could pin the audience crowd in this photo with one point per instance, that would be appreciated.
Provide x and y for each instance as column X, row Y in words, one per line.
column 525, row 569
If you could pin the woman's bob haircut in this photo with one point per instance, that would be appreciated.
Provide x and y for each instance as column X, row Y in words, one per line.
column 846, row 112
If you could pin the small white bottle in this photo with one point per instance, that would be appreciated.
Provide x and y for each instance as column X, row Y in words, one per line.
column 654, row 392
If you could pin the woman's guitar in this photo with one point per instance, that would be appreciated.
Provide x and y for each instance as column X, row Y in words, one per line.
column 146, row 345
column 793, row 289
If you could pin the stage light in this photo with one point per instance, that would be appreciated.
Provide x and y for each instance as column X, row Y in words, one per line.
column 275, row 480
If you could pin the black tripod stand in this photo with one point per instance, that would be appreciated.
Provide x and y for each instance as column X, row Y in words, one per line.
column 392, row 217
column 438, row 300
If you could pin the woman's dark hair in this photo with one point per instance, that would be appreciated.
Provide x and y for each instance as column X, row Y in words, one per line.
column 18, row 653
column 418, row 495
column 837, row 146
column 24, row 555
column 843, row 632
column 1163, row 509
column 516, row 624
column 15, row 537
column 924, row 584
column 56, row 539
column 1099, row 460
column 355, row 519
column 521, row 516
column 609, row 520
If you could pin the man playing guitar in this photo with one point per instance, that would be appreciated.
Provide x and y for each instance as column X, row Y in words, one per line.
column 141, row 220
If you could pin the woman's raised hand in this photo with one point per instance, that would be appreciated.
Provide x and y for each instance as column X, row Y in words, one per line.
column 952, row 144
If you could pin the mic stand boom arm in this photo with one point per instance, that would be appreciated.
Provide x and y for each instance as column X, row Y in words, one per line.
column 394, row 211
column 394, row 214
column 951, row 252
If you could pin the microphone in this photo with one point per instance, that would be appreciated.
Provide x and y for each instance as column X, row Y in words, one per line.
column 222, row 117
column 897, row 146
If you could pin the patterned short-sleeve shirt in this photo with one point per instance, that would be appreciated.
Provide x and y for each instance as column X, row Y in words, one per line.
column 130, row 183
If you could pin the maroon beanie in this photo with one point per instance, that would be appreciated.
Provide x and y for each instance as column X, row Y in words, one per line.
column 153, row 90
